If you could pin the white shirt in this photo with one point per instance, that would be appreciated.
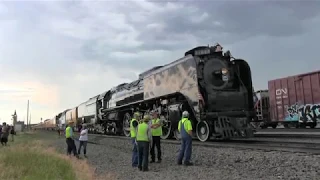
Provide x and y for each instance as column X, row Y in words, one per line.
column 84, row 135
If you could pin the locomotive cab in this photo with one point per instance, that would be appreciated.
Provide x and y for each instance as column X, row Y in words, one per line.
column 226, row 87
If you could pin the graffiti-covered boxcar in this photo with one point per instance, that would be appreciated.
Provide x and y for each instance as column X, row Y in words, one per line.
column 295, row 100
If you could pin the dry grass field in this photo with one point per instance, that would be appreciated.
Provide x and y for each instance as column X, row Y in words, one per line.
column 32, row 157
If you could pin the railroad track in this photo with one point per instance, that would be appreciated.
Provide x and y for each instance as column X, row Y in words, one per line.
column 289, row 130
column 264, row 144
column 286, row 134
column 250, row 144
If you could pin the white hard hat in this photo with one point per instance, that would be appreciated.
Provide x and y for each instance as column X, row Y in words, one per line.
column 185, row 114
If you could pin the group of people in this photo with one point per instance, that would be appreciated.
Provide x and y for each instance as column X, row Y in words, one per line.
column 146, row 132
column 5, row 131
column 146, row 135
column 70, row 140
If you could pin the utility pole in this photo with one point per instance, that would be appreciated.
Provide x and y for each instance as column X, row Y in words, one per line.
column 27, row 114
column 30, row 121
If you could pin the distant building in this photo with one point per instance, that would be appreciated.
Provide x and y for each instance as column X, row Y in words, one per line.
column 19, row 126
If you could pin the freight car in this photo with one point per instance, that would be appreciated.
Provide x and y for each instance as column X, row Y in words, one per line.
column 50, row 124
column 88, row 113
column 72, row 115
column 213, row 86
column 262, row 108
column 62, row 119
column 294, row 101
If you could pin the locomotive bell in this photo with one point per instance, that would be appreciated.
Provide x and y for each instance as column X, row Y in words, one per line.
column 218, row 48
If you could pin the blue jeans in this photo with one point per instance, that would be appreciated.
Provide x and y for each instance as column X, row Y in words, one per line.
column 185, row 150
column 143, row 151
column 134, row 154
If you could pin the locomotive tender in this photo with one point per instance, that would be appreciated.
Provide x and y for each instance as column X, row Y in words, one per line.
column 214, row 87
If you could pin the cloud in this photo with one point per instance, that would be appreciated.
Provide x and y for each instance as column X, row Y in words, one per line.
column 60, row 53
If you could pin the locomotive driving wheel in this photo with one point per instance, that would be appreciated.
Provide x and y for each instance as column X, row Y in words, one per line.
column 166, row 127
column 177, row 134
column 203, row 131
column 126, row 124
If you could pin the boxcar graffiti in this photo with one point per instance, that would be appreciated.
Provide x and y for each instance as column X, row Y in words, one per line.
column 307, row 114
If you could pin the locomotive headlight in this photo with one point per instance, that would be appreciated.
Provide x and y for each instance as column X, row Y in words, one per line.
column 224, row 71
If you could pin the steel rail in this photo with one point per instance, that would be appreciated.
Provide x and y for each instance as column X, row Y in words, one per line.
column 256, row 144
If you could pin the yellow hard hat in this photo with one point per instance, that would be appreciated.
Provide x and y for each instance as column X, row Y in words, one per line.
column 136, row 114
column 146, row 118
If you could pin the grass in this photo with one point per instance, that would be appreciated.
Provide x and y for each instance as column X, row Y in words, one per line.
column 31, row 157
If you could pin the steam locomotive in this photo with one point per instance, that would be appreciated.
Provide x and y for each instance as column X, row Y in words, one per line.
column 215, row 88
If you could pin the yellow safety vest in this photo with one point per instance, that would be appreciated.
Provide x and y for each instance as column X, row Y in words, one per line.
column 157, row 131
column 186, row 123
column 68, row 134
column 142, row 134
column 132, row 129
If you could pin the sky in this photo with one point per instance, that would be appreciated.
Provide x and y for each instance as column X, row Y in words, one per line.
column 58, row 54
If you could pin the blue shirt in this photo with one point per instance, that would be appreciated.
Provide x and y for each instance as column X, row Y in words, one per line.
column 71, row 131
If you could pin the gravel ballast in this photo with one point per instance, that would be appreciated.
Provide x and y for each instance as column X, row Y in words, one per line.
column 114, row 155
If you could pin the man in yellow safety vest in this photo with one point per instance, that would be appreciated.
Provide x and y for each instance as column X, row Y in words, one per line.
column 156, row 133
column 133, row 133
column 143, row 138
column 70, row 140
column 185, row 129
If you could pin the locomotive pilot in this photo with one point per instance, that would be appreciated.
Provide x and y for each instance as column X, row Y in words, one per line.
column 144, row 137
column 156, row 133
column 133, row 133
column 185, row 129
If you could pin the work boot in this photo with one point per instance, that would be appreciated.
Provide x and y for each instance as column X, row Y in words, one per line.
column 159, row 161
column 188, row 163
column 152, row 161
column 145, row 170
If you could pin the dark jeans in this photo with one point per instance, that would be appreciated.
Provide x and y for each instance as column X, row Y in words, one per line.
column 143, row 151
column 134, row 153
column 71, row 147
column 185, row 150
column 84, row 144
column 155, row 143
column 4, row 140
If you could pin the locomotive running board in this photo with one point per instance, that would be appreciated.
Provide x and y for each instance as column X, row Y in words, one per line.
column 230, row 127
